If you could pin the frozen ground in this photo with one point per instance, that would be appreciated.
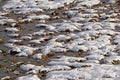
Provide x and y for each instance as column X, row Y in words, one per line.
column 60, row 39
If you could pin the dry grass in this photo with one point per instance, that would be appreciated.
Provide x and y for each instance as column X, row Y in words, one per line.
column 1, row 65
column 48, row 55
column 1, row 40
column 118, row 3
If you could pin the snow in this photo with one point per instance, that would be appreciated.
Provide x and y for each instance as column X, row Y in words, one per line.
column 55, row 67
column 9, row 45
column 14, row 41
column 11, row 30
column 62, row 37
column 78, row 19
column 13, row 35
column 34, row 42
column 71, row 74
column 27, row 67
column 37, row 56
column 58, row 49
column 54, row 44
column 26, row 37
column 28, row 77
column 4, row 78
column 22, row 50
column 92, row 26
column 68, row 39
column 77, row 48
column 66, row 26
column 94, row 57
column 0, row 51
column 41, row 32
column 112, row 60
column 90, row 3
column 37, row 17
column 112, row 1
column 70, row 59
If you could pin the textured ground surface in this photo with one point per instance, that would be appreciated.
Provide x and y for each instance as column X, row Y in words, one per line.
column 60, row 39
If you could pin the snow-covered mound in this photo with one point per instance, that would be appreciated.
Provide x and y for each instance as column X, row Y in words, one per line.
column 59, row 39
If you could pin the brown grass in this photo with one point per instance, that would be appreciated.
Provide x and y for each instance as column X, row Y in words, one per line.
column 1, row 40
column 48, row 55
column 118, row 3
